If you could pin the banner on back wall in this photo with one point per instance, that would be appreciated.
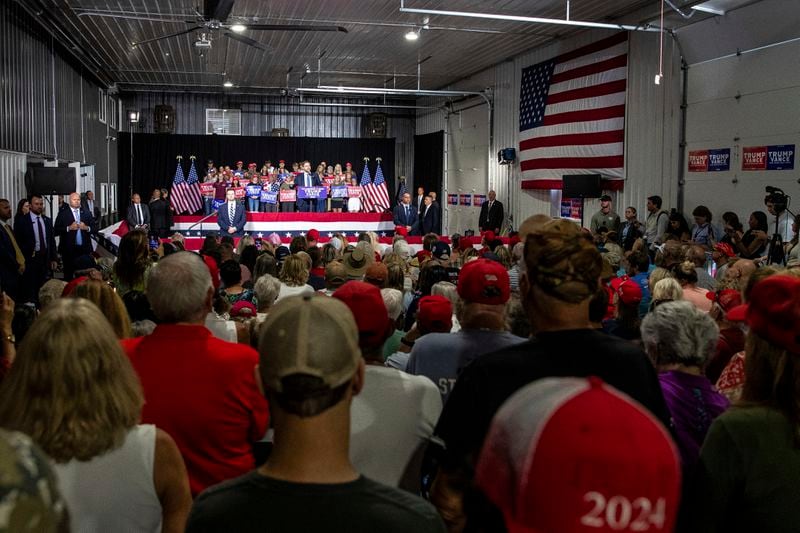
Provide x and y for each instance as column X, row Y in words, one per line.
column 452, row 199
column 776, row 157
column 478, row 199
column 466, row 199
column 715, row 160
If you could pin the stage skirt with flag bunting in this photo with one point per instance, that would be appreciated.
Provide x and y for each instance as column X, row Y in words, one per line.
column 572, row 114
column 185, row 195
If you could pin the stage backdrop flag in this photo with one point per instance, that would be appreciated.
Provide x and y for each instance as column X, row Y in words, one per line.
column 179, row 196
column 195, row 198
column 381, row 190
column 572, row 114
column 366, row 185
column 400, row 192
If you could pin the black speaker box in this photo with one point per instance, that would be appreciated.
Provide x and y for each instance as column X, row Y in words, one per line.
column 581, row 186
column 50, row 180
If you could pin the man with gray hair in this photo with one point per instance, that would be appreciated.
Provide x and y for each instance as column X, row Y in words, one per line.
column 199, row 389
column 680, row 338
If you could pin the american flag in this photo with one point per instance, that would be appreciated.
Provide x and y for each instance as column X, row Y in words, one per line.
column 400, row 191
column 366, row 186
column 380, row 190
column 572, row 114
column 186, row 193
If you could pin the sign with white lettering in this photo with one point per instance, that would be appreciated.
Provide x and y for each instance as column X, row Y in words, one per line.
column 715, row 160
column 776, row 157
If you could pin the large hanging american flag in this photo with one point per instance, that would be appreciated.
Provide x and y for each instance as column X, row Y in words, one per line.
column 366, row 186
column 380, row 190
column 186, row 193
column 572, row 114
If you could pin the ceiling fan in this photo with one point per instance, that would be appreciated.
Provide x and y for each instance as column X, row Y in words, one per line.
column 215, row 18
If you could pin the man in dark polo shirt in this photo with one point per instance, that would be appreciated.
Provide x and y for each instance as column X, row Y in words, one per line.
column 562, row 269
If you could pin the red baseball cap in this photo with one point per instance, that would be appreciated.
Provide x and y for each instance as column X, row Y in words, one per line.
column 244, row 309
column 725, row 249
column 434, row 314
column 251, row 165
column 401, row 230
column 465, row 243
column 773, row 311
column 488, row 235
column 366, row 304
column 726, row 298
column 70, row 287
column 312, row 235
column 628, row 290
column 575, row 455
column 484, row 281
column 282, row 161
column 240, row 162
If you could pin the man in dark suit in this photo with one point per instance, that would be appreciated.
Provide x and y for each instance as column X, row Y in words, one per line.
column 73, row 227
column 12, row 262
column 34, row 234
column 429, row 219
column 435, row 205
column 306, row 179
column 138, row 214
column 231, row 217
column 491, row 217
column 405, row 215
column 419, row 201
column 91, row 206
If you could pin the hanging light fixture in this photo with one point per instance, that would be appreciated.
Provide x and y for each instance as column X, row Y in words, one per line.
column 412, row 35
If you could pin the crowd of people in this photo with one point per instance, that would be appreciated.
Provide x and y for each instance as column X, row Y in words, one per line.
column 630, row 376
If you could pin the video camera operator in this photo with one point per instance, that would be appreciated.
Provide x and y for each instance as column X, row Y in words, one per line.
column 777, row 203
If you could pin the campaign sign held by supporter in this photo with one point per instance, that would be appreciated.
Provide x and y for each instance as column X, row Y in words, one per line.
column 353, row 192
column 288, row 195
column 254, row 191
column 269, row 197
column 207, row 190
column 339, row 191
column 239, row 192
column 312, row 193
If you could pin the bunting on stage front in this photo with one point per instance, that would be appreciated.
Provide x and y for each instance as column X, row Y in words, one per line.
column 572, row 114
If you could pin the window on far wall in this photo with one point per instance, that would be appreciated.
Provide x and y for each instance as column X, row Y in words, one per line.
column 101, row 111
column 113, row 115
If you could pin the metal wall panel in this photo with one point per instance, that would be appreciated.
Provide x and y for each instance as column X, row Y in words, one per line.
column 12, row 177
column 48, row 109
column 260, row 114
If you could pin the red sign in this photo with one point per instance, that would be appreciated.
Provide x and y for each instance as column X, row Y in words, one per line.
column 698, row 161
column 207, row 190
column 288, row 195
column 239, row 192
column 754, row 158
column 353, row 192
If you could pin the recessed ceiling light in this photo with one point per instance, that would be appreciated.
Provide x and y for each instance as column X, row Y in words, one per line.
column 412, row 35
column 238, row 28
column 166, row 53
column 228, row 84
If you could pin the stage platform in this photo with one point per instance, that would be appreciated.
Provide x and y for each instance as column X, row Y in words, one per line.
column 286, row 225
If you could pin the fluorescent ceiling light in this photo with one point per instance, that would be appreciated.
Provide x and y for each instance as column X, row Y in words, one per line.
column 708, row 7
column 238, row 28
column 228, row 84
column 412, row 35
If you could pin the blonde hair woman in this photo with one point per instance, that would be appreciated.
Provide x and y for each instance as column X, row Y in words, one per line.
column 73, row 390
column 110, row 304
column 293, row 277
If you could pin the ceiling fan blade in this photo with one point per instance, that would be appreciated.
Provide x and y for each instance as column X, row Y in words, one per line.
column 217, row 9
column 294, row 27
column 246, row 40
column 168, row 36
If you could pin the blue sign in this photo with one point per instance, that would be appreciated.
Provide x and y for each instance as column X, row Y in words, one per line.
column 254, row 191
column 217, row 203
column 312, row 193
column 719, row 160
column 269, row 197
column 780, row 157
column 339, row 191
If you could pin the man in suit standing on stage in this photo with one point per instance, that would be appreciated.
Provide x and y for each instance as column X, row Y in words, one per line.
column 491, row 217
column 231, row 217
column 73, row 229
column 306, row 179
column 12, row 262
column 419, row 201
column 35, row 238
column 429, row 218
column 405, row 215
column 91, row 206
column 138, row 214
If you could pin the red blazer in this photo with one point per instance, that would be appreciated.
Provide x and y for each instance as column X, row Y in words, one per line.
column 202, row 391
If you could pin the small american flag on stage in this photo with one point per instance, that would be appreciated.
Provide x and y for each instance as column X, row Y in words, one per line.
column 572, row 114
column 366, row 185
column 186, row 193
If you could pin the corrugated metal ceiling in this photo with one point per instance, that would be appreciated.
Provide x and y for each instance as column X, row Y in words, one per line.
column 373, row 53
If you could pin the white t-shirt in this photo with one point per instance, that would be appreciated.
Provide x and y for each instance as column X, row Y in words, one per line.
column 287, row 291
column 221, row 328
column 114, row 491
column 390, row 418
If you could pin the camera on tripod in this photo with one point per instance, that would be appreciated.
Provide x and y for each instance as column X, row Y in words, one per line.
column 778, row 199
